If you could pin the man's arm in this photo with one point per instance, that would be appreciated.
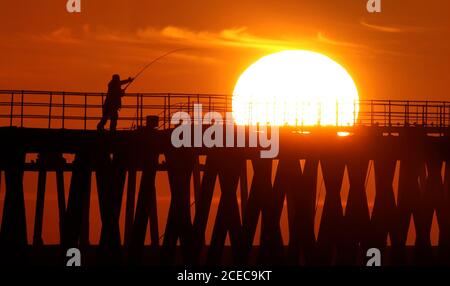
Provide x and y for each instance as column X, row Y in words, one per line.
column 122, row 82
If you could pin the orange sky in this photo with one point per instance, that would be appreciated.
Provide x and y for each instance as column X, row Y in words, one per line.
column 401, row 53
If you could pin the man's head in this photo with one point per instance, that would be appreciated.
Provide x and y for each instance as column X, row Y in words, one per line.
column 116, row 77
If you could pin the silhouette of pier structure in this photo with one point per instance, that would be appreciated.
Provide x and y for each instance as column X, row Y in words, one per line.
column 412, row 136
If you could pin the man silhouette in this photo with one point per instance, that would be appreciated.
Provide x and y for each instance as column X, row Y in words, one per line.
column 113, row 102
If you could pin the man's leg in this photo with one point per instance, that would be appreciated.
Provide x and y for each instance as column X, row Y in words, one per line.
column 113, row 123
column 101, row 124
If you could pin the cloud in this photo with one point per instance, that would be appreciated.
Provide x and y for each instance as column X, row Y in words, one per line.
column 195, row 58
column 157, row 40
column 324, row 39
column 61, row 35
column 360, row 48
column 238, row 37
column 392, row 29
column 234, row 37
column 139, row 46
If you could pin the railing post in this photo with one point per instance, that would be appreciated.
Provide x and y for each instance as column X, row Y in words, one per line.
column 21, row 109
column 406, row 113
column 85, row 110
column 198, row 100
column 426, row 113
column 102, row 104
column 423, row 114
column 165, row 115
column 209, row 103
column 384, row 114
column 137, row 110
column 50, row 111
column 168, row 105
column 63, row 108
column 142, row 111
column 11, row 110
column 371, row 113
column 390, row 112
column 443, row 115
column 189, row 105
column 354, row 112
column 226, row 104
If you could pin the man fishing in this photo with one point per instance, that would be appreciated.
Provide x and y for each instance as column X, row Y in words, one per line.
column 113, row 102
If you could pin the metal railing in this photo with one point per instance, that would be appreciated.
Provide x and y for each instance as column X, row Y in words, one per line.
column 82, row 110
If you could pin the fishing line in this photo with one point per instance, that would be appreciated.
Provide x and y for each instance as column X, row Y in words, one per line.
column 153, row 62
column 145, row 68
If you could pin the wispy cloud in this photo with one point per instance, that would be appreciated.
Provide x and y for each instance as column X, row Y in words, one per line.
column 61, row 35
column 360, row 47
column 347, row 44
column 392, row 29
column 156, row 39
column 234, row 37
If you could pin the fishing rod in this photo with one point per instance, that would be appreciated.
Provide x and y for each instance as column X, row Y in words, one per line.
column 153, row 62
column 146, row 67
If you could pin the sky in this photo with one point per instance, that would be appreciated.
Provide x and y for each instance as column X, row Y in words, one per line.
column 401, row 53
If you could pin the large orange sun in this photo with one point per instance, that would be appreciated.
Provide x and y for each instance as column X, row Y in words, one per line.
column 297, row 88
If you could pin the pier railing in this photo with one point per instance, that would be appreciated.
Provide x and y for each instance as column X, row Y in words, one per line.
column 82, row 110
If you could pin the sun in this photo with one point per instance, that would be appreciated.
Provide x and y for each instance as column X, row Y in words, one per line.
column 296, row 88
